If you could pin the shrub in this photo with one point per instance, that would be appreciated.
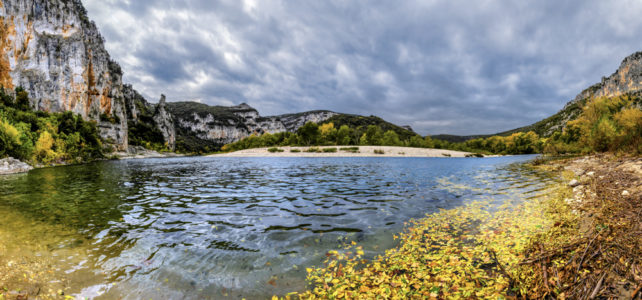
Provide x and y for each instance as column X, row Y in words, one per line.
column 9, row 138
column 351, row 149
column 379, row 151
column 313, row 150
column 446, row 154
column 329, row 150
column 274, row 149
column 295, row 150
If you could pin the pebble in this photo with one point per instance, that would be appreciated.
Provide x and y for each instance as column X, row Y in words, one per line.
column 573, row 183
column 625, row 193
column 590, row 173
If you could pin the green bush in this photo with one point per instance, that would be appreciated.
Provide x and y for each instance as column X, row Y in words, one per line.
column 41, row 137
column 274, row 149
column 313, row 150
column 329, row 150
column 295, row 150
column 349, row 149
column 379, row 151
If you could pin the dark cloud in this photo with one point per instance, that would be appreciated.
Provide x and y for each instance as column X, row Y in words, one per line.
column 456, row 67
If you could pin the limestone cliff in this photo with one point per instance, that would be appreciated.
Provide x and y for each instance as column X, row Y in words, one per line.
column 52, row 50
column 165, row 123
column 55, row 53
column 626, row 79
column 203, row 127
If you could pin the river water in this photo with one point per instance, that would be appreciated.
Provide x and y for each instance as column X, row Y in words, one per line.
column 219, row 227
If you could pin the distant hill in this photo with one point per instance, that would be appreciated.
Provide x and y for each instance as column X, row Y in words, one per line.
column 355, row 121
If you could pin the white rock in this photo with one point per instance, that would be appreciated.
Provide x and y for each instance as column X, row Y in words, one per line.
column 573, row 183
column 590, row 173
column 625, row 193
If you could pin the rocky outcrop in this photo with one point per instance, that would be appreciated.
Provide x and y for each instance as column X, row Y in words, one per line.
column 627, row 78
column 165, row 123
column 219, row 125
column 11, row 165
column 52, row 50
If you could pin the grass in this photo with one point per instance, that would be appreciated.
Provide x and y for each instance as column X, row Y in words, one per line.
column 379, row 151
column 313, row 150
column 274, row 149
column 329, row 150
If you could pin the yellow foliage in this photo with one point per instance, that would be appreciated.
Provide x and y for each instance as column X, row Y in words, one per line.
column 10, row 133
column 466, row 252
column 43, row 149
column 325, row 129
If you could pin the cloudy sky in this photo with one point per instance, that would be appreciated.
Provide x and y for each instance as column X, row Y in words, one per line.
column 441, row 66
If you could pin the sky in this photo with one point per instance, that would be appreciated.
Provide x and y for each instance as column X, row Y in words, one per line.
column 440, row 66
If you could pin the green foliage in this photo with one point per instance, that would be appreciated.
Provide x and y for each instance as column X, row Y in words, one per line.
column 605, row 124
column 349, row 149
column 329, row 150
column 295, row 150
column 327, row 135
column 379, row 151
column 309, row 134
column 41, row 137
column 274, row 149
column 109, row 118
column 359, row 124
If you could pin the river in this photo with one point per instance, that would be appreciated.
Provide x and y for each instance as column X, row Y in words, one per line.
column 222, row 227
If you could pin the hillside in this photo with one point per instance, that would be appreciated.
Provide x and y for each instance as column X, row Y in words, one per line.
column 356, row 121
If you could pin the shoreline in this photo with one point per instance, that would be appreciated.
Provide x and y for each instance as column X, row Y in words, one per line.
column 363, row 151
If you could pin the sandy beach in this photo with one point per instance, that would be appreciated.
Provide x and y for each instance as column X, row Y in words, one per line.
column 364, row 151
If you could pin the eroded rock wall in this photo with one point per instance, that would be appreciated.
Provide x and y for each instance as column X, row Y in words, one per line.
column 52, row 50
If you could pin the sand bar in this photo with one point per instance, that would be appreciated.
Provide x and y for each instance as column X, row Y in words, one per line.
column 364, row 151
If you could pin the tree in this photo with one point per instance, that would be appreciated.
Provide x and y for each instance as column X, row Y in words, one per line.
column 309, row 133
column 390, row 138
column 374, row 135
column 416, row 141
column 344, row 135
column 328, row 133
column 22, row 99
column 9, row 138
column 44, row 153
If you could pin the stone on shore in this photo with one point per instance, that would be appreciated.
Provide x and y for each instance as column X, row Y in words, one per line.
column 11, row 165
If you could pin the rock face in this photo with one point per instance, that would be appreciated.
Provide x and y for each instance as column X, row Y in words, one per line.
column 11, row 165
column 627, row 78
column 52, row 50
column 165, row 123
column 219, row 125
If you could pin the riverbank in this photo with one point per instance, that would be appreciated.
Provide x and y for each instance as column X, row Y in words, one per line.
column 345, row 151
column 579, row 241
column 602, row 256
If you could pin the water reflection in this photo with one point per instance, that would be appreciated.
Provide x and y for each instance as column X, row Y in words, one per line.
column 232, row 227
